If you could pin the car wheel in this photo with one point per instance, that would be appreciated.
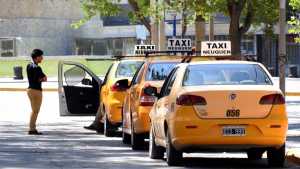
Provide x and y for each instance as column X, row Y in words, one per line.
column 125, row 137
column 108, row 128
column 155, row 151
column 255, row 154
column 174, row 157
column 100, row 130
column 137, row 140
column 276, row 157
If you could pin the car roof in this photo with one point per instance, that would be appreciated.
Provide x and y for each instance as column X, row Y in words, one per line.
column 222, row 62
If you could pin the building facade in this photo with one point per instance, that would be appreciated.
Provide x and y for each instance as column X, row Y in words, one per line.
column 46, row 24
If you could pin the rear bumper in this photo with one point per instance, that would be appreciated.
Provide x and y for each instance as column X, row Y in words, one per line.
column 219, row 144
column 208, row 134
column 114, row 113
column 142, row 121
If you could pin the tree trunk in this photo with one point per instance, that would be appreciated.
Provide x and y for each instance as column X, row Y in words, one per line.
column 235, row 35
column 199, row 31
column 236, row 29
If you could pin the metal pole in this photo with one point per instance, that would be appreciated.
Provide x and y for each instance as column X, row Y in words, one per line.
column 174, row 26
column 282, row 45
column 211, row 28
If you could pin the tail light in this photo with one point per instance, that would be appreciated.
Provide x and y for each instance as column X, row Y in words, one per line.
column 272, row 99
column 146, row 100
column 189, row 100
column 116, row 88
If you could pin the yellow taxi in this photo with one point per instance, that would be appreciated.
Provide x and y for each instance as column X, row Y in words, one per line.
column 112, row 95
column 137, row 105
column 218, row 106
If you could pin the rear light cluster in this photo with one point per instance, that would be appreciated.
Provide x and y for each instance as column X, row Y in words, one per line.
column 273, row 99
column 114, row 87
column 190, row 100
column 146, row 100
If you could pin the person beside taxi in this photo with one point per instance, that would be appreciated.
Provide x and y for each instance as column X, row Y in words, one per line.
column 35, row 77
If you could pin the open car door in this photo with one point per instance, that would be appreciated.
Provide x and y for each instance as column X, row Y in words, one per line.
column 78, row 89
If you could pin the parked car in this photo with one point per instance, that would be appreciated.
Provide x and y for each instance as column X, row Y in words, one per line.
column 218, row 106
column 137, row 105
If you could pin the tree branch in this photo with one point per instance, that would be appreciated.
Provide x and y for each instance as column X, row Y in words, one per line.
column 145, row 21
column 249, row 17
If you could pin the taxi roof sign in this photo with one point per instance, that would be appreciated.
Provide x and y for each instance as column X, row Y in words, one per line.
column 216, row 48
column 179, row 44
column 142, row 49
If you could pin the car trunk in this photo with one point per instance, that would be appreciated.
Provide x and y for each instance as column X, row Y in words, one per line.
column 232, row 101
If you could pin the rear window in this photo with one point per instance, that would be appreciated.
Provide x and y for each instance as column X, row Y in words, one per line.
column 159, row 71
column 128, row 68
column 225, row 74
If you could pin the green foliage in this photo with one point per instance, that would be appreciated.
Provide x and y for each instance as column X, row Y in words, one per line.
column 295, row 20
column 140, row 10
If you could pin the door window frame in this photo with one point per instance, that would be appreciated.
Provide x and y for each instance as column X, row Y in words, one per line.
column 169, row 81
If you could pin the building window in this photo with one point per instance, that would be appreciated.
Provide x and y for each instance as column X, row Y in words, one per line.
column 112, row 46
column 119, row 20
column 7, row 47
column 248, row 45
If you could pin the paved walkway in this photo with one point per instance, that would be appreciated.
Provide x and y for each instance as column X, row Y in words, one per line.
column 9, row 84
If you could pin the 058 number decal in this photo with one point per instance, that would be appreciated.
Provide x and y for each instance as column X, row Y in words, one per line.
column 233, row 113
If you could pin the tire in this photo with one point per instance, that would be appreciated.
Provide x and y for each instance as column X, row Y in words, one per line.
column 255, row 154
column 155, row 151
column 174, row 157
column 276, row 157
column 126, row 139
column 101, row 129
column 108, row 128
column 137, row 140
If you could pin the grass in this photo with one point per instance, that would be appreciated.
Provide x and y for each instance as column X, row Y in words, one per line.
column 50, row 66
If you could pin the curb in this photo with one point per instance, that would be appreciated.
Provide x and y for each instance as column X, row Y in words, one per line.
column 292, row 94
column 55, row 90
column 293, row 159
column 25, row 89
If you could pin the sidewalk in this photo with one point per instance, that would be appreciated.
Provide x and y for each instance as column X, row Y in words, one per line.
column 293, row 155
column 9, row 84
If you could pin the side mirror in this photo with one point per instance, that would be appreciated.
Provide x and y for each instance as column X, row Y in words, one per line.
column 121, row 85
column 151, row 91
column 87, row 82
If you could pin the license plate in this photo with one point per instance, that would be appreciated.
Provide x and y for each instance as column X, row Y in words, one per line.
column 234, row 131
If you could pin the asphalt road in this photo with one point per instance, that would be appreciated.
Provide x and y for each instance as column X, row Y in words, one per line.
column 67, row 145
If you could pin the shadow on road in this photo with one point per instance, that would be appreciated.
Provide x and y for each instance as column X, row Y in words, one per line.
column 68, row 145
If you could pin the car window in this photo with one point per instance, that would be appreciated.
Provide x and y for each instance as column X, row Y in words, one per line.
column 159, row 71
column 74, row 75
column 170, row 84
column 137, row 77
column 167, row 86
column 107, row 73
column 128, row 68
column 225, row 74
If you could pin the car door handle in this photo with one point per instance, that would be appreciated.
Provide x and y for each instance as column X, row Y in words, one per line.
column 87, row 106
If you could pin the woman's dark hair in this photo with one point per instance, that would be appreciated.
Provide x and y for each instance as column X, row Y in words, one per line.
column 36, row 53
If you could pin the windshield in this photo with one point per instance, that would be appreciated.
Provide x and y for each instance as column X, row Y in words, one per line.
column 225, row 74
column 159, row 71
column 128, row 68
